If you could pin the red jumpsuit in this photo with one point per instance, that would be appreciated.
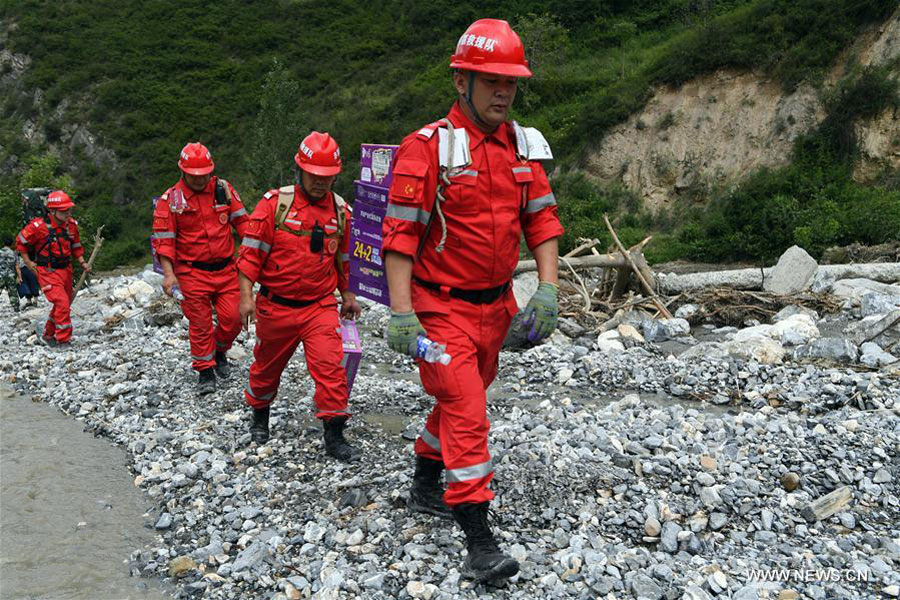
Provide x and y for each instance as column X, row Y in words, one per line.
column 488, row 205
column 296, row 302
column 195, row 234
column 54, row 245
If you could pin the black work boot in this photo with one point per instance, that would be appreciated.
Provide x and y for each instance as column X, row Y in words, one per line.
column 485, row 561
column 207, row 382
column 335, row 443
column 223, row 370
column 427, row 494
column 259, row 427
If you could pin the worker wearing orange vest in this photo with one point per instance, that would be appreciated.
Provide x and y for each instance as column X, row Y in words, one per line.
column 192, row 235
column 464, row 189
column 296, row 247
column 53, row 241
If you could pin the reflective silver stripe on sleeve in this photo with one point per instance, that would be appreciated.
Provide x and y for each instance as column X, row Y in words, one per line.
column 408, row 213
column 76, row 245
column 429, row 439
column 537, row 204
column 69, row 326
column 164, row 235
column 238, row 213
column 293, row 222
column 469, row 473
column 268, row 396
column 207, row 357
column 22, row 237
column 344, row 256
column 261, row 246
column 521, row 169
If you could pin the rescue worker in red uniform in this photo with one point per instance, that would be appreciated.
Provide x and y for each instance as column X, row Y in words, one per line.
column 296, row 247
column 192, row 236
column 53, row 241
column 464, row 189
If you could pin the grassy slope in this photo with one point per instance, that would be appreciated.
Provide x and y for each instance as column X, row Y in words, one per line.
column 149, row 76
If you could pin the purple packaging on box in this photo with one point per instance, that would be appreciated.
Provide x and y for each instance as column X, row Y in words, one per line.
column 376, row 163
column 367, row 276
column 372, row 194
column 352, row 350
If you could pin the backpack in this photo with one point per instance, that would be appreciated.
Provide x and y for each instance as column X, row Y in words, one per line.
column 34, row 204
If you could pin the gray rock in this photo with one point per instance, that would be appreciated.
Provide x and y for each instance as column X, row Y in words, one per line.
column 882, row 476
column 251, row 557
column 645, row 587
column 793, row 273
column 164, row 521
column 836, row 349
column 669, row 537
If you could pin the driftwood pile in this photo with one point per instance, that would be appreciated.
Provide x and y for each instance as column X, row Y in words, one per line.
column 598, row 290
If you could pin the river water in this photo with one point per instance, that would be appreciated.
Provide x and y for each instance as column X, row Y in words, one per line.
column 69, row 513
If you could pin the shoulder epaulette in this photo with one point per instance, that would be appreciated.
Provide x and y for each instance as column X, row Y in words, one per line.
column 426, row 132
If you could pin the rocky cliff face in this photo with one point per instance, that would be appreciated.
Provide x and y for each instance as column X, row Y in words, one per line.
column 718, row 128
column 71, row 138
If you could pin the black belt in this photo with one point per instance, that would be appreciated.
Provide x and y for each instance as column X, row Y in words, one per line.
column 55, row 264
column 286, row 301
column 485, row 296
column 216, row 265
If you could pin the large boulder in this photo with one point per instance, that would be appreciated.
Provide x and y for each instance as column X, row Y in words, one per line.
column 830, row 348
column 873, row 356
column 659, row 330
column 524, row 286
column 793, row 273
column 853, row 290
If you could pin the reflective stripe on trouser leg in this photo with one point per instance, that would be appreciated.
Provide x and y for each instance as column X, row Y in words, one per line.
column 197, row 307
column 57, row 286
column 428, row 445
column 277, row 337
column 227, row 299
column 473, row 334
column 324, row 351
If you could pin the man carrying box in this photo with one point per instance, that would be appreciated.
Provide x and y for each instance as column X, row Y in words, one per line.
column 464, row 189
column 296, row 247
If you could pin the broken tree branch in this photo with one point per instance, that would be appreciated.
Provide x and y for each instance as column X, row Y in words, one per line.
column 98, row 241
column 637, row 272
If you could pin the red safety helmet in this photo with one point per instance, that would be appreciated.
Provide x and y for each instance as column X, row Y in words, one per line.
column 491, row 46
column 319, row 154
column 196, row 160
column 59, row 200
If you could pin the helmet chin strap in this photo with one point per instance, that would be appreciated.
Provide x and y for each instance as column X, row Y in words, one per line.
column 468, row 98
column 305, row 191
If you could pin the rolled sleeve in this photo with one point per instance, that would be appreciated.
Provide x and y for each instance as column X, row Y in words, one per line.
column 77, row 249
column 540, row 221
column 238, row 216
column 259, row 232
column 164, row 231
column 343, row 256
column 410, row 199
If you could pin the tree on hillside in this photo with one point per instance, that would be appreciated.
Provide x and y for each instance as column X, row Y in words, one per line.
column 546, row 42
column 277, row 130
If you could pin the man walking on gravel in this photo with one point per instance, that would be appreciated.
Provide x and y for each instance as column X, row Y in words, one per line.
column 192, row 235
column 296, row 247
column 464, row 189
column 47, row 245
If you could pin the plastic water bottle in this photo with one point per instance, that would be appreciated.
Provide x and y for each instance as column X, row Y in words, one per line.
column 431, row 352
column 176, row 293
